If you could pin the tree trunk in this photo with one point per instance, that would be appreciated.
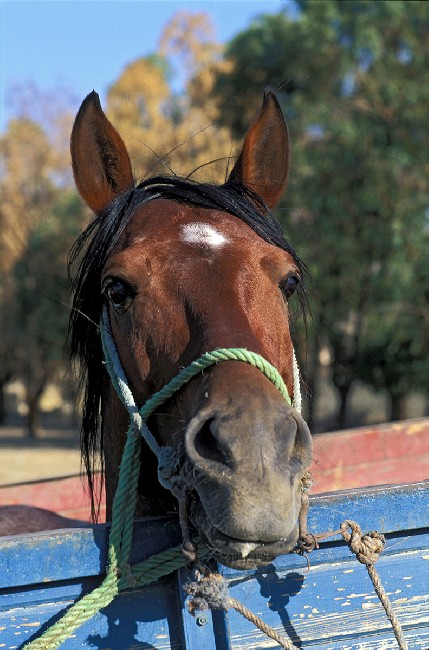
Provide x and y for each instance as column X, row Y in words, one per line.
column 6, row 377
column 2, row 404
column 32, row 418
column 312, row 382
column 398, row 407
column 344, row 392
column 33, row 403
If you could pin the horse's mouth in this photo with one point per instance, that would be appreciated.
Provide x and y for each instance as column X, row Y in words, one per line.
column 237, row 553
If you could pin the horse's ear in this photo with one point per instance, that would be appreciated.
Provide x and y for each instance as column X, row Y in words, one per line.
column 263, row 163
column 101, row 164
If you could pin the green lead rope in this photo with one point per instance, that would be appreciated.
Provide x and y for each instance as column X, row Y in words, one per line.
column 120, row 574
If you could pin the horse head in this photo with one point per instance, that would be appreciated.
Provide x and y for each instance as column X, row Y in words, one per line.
column 183, row 268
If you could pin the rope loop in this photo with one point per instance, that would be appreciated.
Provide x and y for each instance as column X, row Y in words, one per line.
column 368, row 547
column 210, row 591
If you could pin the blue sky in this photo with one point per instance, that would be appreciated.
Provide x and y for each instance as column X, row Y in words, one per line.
column 85, row 44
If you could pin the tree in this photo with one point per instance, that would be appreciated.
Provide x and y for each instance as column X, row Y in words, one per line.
column 190, row 39
column 53, row 111
column 355, row 103
column 28, row 191
column 7, row 339
column 26, row 186
column 138, row 107
column 41, row 300
column 34, row 170
column 395, row 356
column 175, row 126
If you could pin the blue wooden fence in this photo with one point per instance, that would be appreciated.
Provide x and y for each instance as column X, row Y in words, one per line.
column 331, row 607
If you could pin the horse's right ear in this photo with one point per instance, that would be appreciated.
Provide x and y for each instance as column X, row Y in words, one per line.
column 101, row 164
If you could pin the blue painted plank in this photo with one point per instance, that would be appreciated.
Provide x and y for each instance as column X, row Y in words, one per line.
column 62, row 555
column 385, row 508
column 331, row 607
column 141, row 619
column 334, row 604
column 47, row 556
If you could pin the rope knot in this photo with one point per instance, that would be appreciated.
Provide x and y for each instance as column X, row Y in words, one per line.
column 307, row 482
column 168, row 461
column 126, row 576
column 209, row 592
column 368, row 547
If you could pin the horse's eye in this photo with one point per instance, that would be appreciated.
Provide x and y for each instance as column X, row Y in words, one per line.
column 289, row 286
column 120, row 294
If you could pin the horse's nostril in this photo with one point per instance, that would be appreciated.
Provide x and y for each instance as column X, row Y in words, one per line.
column 208, row 446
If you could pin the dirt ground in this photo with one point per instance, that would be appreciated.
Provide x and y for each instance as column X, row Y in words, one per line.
column 54, row 453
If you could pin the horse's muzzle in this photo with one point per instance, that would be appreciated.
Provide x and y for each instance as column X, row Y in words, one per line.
column 235, row 553
column 247, row 466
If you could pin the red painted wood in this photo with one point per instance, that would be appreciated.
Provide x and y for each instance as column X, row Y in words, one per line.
column 376, row 455
column 67, row 496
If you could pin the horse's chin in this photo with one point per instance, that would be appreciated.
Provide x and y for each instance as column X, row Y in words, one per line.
column 236, row 553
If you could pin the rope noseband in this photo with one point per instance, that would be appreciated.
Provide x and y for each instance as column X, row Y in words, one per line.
column 138, row 417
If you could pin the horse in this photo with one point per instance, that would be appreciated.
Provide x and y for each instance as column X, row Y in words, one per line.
column 174, row 268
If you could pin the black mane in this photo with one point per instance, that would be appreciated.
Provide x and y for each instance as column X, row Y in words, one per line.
column 91, row 251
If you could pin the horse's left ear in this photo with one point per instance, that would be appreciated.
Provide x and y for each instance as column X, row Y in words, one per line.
column 263, row 163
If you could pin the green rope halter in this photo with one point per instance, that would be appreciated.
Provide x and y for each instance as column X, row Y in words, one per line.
column 120, row 574
column 138, row 418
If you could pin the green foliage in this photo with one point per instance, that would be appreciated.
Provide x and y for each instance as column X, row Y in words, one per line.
column 41, row 281
column 395, row 355
column 352, row 78
column 40, row 305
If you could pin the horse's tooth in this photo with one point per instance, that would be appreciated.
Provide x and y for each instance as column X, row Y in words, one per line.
column 246, row 549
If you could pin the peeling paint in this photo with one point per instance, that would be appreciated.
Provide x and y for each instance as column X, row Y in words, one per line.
column 357, row 595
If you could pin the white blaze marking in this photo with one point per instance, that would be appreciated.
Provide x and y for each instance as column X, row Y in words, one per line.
column 202, row 234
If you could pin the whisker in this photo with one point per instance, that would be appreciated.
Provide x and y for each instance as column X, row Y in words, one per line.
column 211, row 162
column 162, row 159
column 229, row 159
column 85, row 316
